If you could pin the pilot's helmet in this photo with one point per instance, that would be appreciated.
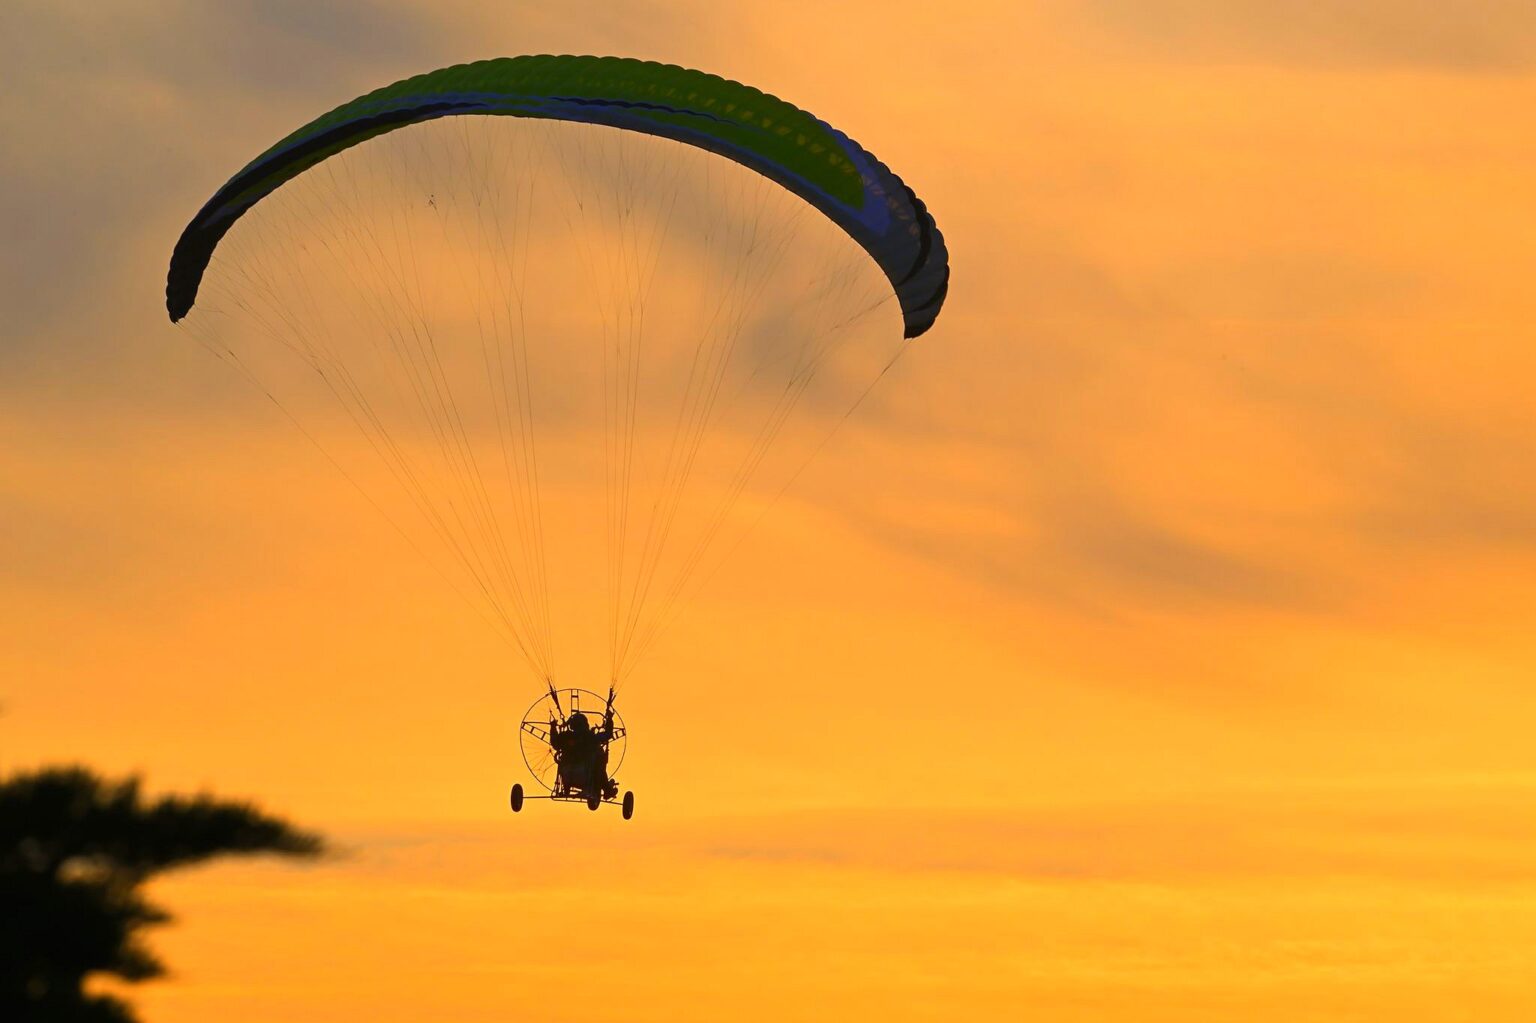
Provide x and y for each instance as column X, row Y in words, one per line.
column 577, row 723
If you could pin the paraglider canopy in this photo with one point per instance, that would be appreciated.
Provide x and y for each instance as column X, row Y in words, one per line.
column 778, row 140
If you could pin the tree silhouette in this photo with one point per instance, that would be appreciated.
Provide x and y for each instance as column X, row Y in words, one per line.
column 75, row 853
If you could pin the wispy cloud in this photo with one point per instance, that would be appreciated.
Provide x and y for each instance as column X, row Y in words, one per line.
column 1475, row 831
column 1475, row 37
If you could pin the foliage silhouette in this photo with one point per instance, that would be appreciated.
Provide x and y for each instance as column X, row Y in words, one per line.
column 75, row 852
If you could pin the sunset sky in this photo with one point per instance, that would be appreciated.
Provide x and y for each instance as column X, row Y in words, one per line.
column 1154, row 644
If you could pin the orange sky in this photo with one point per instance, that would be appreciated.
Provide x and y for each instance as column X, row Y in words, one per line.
column 1178, row 584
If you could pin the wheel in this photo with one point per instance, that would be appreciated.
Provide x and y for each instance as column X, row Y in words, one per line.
column 629, row 805
column 594, row 801
column 517, row 798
